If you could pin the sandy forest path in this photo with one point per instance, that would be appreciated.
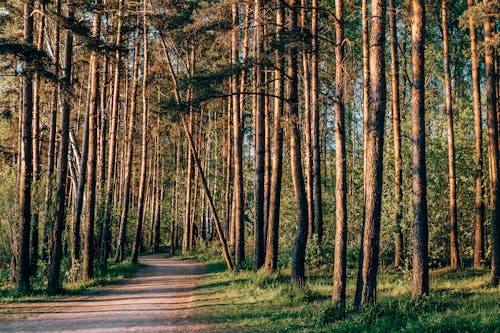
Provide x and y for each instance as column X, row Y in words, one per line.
column 159, row 298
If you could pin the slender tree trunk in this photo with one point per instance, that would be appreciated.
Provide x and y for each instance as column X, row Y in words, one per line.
column 307, row 116
column 271, row 262
column 299, row 246
column 88, row 247
column 26, row 159
column 479, row 246
column 366, row 105
column 120, row 248
column 315, row 129
column 54, row 284
column 142, row 182
column 454, row 253
column 106, row 225
column 491, row 83
column 374, row 156
column 49, row 216
column 396, row 128
column 260, row 127
column 419, row 200
column 239, row 222
column 36, row 150
column 340, row 256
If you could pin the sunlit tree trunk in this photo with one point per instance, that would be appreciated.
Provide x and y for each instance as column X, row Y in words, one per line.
column 271, row 261
column 396, row 128
column 88, row 246
column 26, row 160
column 374, row 155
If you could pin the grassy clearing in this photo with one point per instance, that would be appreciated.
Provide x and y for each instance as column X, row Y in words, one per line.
column 251, row 302
column 114, row 274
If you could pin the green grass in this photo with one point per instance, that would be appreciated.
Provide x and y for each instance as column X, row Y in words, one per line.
column 251, row 302
column 114, row 274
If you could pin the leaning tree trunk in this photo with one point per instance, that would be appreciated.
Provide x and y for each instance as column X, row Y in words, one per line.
column 479, row 246
column 340, row 256
column 60, row 214
column 374, row 156
column 26, row 165
column 419, row 200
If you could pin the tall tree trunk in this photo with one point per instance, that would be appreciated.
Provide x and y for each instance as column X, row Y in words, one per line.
column 88, row 245
column 260, row 128
column 299, row 246
column 54, row 284
column 396, row 128
column 142, row 182
column 106, row 225
column 492, row 147
column 271, row 262
column 36, row 149
column 419, row 200
column 454, row 253
column 340, row 256
column 120, row 248
column 49, row 216
column 239, row 208
column 366, row 105
column 374, row 156
column 479, row 246
column 306, row 46
column 315, row 141
column 26, row 165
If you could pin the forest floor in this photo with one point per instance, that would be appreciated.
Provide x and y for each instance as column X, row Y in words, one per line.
column 159, row 298
column 248, row 301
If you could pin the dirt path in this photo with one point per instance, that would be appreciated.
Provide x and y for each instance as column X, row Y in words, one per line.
column 158, row 299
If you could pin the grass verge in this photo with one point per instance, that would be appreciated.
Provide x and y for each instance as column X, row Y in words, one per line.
column 114, row 274
column 251, row 302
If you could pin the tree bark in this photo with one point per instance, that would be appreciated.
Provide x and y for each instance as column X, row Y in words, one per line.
column 315, row 131
column 454, row 252
column 479, row 246
column 271, row 262
column 88, row 246
column 142, row 183
column 396, row 128
column 340, row 256
column 54, row 284
column 26, row 165
column 299, row 246
column 106, row 225
column 419, row 199
column 492, row 147
column 374, row 156
column 239, row 208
